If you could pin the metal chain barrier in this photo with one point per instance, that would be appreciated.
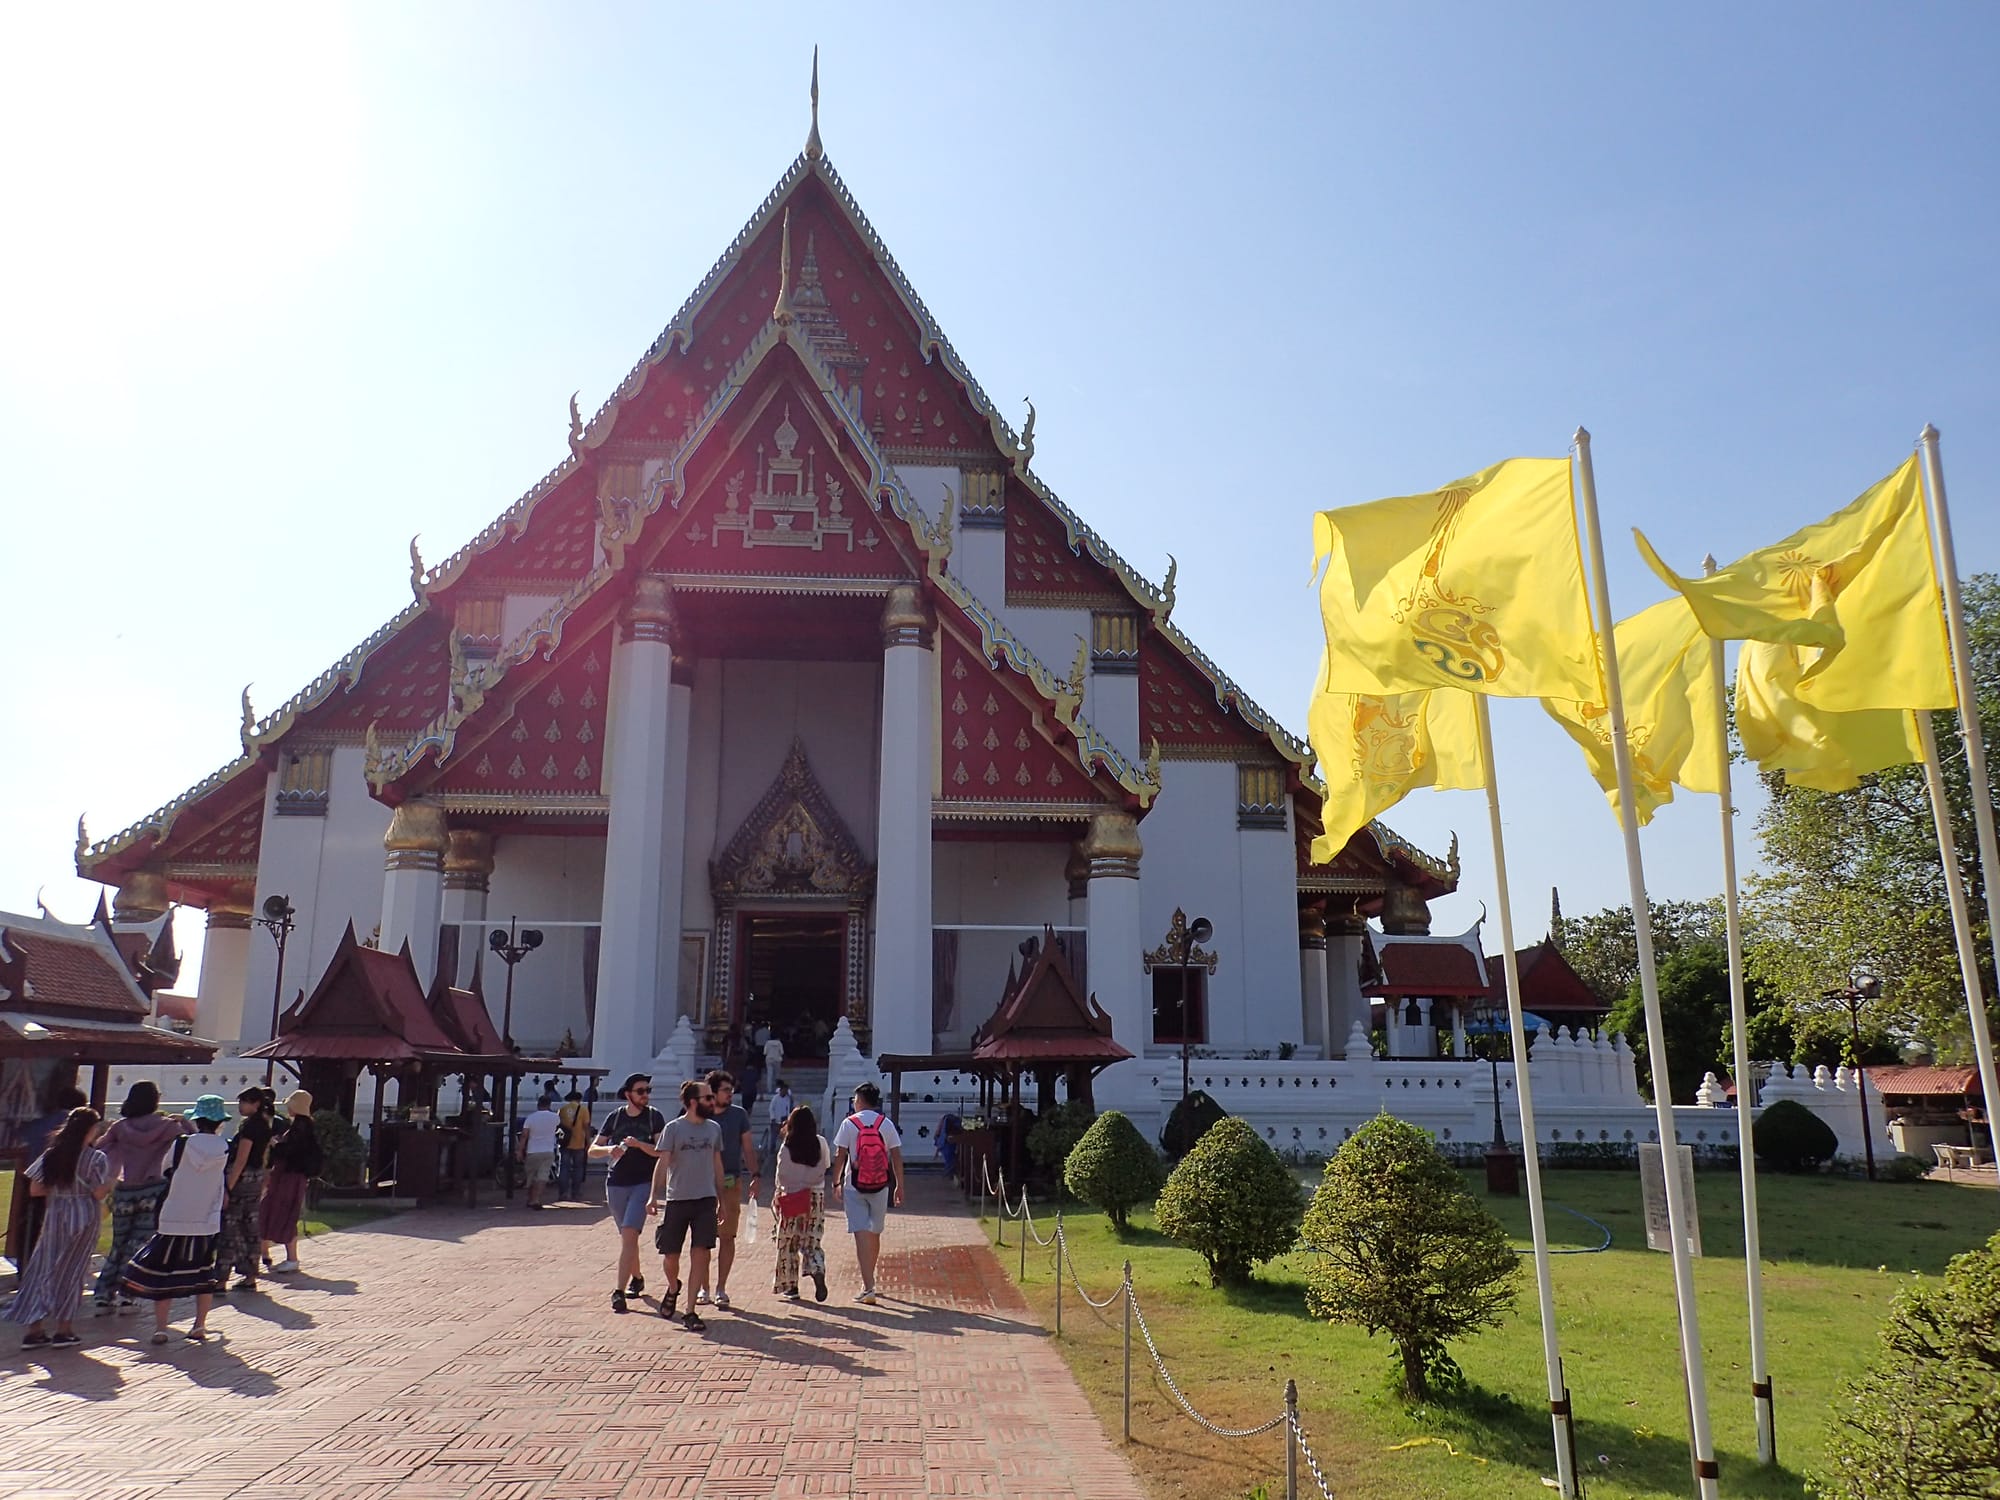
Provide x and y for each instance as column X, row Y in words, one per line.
column 1296, row 1445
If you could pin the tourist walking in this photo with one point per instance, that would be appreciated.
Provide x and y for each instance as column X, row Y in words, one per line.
column 34, row 1138
column 295, row 1160
column 181, row 1259
column 72, row 1178
column 689, row 1178
column 249, row 1157
column 782, row 1104
column 136, row 1145
column 537, row 1149
column 739, row 1176
column 628, row 1141
column 798, row 1204
column 868, row 1162
column 573, row 1120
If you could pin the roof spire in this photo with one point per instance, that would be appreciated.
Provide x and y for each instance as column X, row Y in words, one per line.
column 781, row 310
column 814, row 150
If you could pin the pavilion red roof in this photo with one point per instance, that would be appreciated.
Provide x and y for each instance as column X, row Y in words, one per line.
column 65, row 992
column 1549, row 986
column 1943, row 1082
column 1042, row 1017
column 1427, row 967
column 368, row 1006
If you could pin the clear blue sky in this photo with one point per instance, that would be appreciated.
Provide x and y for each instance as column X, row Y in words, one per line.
column 282, row 286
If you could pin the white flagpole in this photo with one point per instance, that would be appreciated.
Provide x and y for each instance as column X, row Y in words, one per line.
column 1975, row 750
column 1739, row 1026
column 1524, row 1097
column 1678, row 1209
column 1961, row 918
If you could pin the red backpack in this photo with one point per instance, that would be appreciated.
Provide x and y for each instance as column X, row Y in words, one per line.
column 870, row 1173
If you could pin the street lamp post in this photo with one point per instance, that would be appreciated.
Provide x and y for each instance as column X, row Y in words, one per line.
column 1860, row 987
column 277, row 920
column 510, row 948
column 1187, row 953
column 1503, row 1171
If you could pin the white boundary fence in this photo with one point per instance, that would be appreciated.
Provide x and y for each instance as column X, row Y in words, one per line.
column 1057, row 1243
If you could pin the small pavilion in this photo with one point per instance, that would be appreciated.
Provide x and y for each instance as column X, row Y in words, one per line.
column 1425, row 984
column 1043, row 1029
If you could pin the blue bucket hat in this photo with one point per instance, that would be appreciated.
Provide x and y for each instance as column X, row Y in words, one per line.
column 209, row 1107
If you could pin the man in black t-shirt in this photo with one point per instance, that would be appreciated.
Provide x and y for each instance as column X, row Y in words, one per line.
column 629, row 1139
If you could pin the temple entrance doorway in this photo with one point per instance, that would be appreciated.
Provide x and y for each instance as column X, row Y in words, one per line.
column 794, row 970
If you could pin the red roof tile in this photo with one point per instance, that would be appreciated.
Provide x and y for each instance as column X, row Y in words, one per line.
column 65, row 975
column 1948, row 1082
column 1427, row 969
column 1549, row 986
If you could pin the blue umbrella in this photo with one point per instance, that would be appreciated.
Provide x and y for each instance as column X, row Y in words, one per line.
column 1487, row 1021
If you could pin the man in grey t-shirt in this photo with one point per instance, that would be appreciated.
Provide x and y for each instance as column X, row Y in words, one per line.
column 688, row 1176
column 739, row 1175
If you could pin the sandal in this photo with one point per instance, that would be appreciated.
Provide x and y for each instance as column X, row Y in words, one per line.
column 693, row 1323
column 159, row 1336
column 197, row 1335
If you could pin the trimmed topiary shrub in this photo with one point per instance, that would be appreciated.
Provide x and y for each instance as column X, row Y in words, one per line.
column 1233, row 1200
column 1405, row 1250
column 1919, row 1423
column 1191, row 1120
column 1056, row 1133
column 1113, row 1167
column 342, row 1151
column 1791, row 1138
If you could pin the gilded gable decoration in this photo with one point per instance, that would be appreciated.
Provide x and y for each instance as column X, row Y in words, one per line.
column 786, row 508
column 793, row 844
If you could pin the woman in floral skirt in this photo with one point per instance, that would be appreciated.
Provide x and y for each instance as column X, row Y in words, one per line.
column 249, row 1150
column 798, row 1202
column 136, row 1145
column 73, row 1178
column 180, row 1259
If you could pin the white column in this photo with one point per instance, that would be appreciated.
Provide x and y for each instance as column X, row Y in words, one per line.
column 413, row 883
column 1346, row 1006
column 673, row 875
column 630, row 985
column 225, row 970
column 900, row 982
column 1313, row 1015
column 468, row 875
column 1458, row 1028
column 1116, row 945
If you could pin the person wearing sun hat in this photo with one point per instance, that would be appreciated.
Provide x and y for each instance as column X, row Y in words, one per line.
column 180, row 1259
column 295, row 1162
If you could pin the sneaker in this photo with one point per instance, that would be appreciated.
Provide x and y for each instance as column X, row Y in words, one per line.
column 618, row 1302
column 64, row 1340
column 819, row 1288
column 126, row 1304
column 638, row 1285
column 286, row 1266
column 791, row 1296
column 247, row 1284
column 693, row 1323
column 35, row 1341
column 106, row 1307
column 722, row 1300
column 867, row 1295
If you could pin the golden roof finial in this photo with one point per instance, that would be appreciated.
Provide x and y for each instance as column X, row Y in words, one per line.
column 781, row 310
column 575, row 426
column 947, row 520
column 1166, row 609
column 1025, row 452
column 814, row 150
column 1079, row 668
column 82, row 837
column 416, row 570
column 1153, row 763
column 248, row 732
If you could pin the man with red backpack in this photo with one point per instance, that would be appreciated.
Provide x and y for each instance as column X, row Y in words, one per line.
column 868, row 1165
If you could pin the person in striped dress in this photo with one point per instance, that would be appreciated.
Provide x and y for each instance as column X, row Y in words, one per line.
column 180, row 1260
column 73, row 1178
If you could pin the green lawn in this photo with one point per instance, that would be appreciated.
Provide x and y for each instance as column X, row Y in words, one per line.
column 1834, row 1251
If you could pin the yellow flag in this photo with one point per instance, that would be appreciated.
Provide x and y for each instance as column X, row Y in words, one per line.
column 1829, row 751
column 1670, row 710
column 1374, row 750
column 1477, row 586
column 1856, row 593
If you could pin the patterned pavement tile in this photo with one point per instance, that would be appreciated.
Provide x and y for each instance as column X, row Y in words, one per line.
column 472, row 1355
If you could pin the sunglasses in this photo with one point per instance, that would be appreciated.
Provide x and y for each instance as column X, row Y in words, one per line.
column 640, row 1093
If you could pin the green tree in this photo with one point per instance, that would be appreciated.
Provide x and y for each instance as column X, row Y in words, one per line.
column 1113, row 1167
column 1404, row 1249
column 1694, row 1006
column 1920, row 1423
column 1233, row 1200
column 1853, row 885
column 1603, row 948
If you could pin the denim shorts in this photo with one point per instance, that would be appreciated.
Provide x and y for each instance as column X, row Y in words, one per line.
column 628, row 1203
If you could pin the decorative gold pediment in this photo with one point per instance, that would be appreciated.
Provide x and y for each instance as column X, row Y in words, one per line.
column 793, row 844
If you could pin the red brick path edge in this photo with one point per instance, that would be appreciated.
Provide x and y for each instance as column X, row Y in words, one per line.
column 473, row 1355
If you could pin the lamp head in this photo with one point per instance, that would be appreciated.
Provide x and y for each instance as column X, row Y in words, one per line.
column 276, row 908
column 1868, row 986
column 1201, row 929
column 531, row 938
column 497, row 939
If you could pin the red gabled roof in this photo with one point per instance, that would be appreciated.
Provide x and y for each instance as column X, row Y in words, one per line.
column 1427, row 967
column 1549, row 986
column 368, row 1006
column 1042, row 1017
column 44, row 971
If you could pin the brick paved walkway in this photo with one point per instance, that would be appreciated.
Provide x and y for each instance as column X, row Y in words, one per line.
column 474, row 1356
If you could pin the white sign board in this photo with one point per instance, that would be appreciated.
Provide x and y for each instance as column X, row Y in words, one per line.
column 1653, row 1183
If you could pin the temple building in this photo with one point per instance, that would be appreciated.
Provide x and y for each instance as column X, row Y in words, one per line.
column 790, row 696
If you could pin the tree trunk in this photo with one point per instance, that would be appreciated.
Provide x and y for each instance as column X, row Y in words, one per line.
column 1415, row 1386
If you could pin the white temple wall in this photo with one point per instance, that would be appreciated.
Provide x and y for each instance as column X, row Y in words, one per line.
column 547, row 882
column 331, row 868
column 703, row 836
column 1111, row 702
column 835, row 707
column 1193, row 861
column 999, row 881
column 522, row 610
column 1050, row 633
column 1268, row 918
